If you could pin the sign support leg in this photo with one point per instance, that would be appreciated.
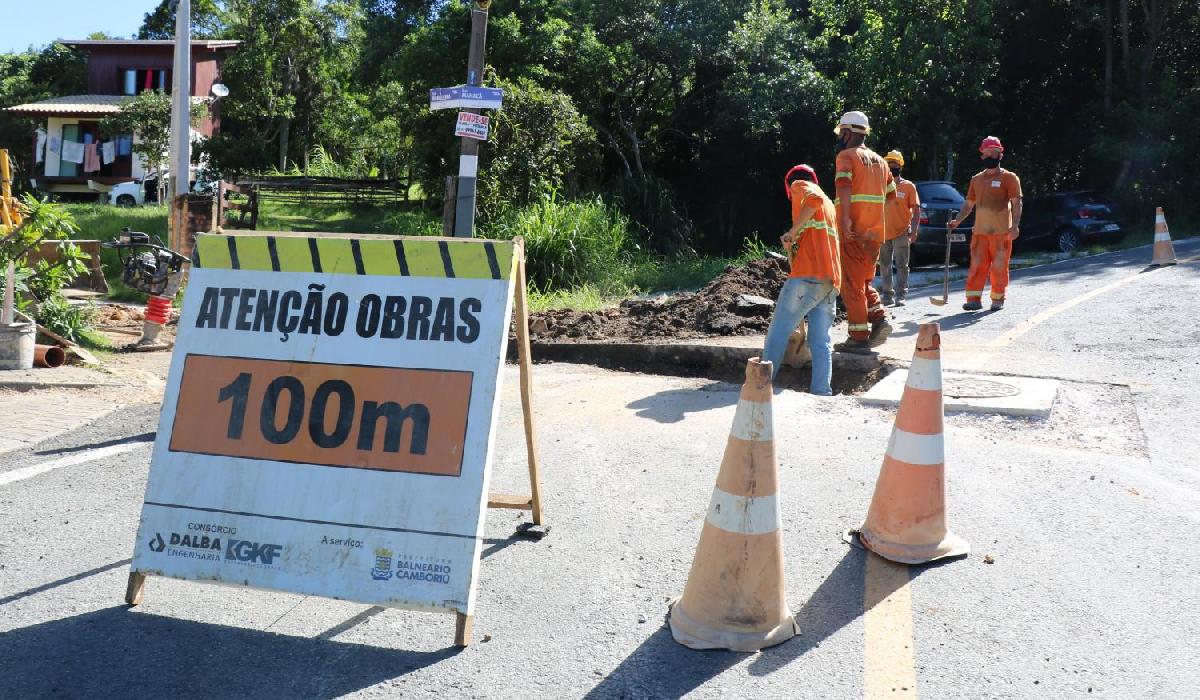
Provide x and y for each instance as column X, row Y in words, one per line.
column 464, row 625
column 135, row 588
column 524, row 357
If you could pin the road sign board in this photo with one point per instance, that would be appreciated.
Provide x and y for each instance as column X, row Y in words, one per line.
column 329, row 418
column 465, row 97
column 472, row 126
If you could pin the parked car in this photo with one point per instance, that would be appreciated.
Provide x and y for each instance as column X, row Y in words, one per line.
column 939, row 199
column 1068, row 220
column 127, row 194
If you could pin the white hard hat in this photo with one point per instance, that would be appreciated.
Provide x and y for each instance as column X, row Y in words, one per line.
column 856, row 121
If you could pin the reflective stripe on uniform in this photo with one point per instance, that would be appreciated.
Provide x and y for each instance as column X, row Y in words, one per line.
column 820, row 226
column 974, row 295
column 860, row 327
column 873, row 198
column 997, row 297
column 843, row 173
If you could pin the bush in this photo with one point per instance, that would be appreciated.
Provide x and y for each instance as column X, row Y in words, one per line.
column 661, row 223
column 71, row 321
column 569, row 243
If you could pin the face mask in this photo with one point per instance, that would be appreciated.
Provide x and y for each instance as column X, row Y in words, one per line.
column 895, row 173
column 991, row 162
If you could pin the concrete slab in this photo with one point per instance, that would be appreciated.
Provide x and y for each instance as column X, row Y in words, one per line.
column 976, row 393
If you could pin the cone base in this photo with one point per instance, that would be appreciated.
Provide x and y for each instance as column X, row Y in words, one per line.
column 951, row 546
column 696, row 635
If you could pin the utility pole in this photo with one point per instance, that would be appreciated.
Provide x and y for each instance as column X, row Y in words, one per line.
column 468, row 162
column 181, row 125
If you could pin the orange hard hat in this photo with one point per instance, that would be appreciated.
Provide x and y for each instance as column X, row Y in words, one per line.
column 991, row 142
column 787, row 187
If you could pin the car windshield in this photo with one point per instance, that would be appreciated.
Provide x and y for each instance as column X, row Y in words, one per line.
column 939, row 192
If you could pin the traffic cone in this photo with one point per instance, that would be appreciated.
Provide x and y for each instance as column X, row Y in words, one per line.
column 734, row 597
column 1164, row 250
column 906, row 522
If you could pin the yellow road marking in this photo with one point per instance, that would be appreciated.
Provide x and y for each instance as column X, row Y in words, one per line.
column 889, row 662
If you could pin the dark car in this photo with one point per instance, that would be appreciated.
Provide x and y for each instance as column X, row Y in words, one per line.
column 939, row 200
column 1067, row 220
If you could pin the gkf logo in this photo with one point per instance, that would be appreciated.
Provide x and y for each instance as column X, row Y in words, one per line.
column 252, row 552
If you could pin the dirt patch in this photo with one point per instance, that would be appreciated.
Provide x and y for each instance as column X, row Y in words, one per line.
column 726, row 306
column 123, row 324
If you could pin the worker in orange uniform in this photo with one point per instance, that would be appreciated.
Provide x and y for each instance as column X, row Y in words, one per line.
column 814, row 280
column 864, row 184
column 903, row 222
column 995, row 195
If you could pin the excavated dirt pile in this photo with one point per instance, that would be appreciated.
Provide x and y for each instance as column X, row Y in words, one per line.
column 738, row 302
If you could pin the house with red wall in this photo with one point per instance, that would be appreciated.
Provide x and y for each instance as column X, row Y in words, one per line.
column 116, row 70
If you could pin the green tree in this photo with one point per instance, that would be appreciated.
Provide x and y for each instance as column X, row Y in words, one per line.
column 209, row 21
column 30, row 76
column 148, row 115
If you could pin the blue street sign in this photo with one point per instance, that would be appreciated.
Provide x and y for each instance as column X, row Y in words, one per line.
column 465, row 97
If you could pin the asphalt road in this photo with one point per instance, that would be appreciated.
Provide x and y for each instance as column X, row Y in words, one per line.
column 1088, row 516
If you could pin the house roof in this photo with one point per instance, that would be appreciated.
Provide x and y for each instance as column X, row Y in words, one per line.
column 203, row 43
column 72, row 104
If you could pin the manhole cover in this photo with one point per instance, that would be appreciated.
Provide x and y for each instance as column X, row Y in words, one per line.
column 977, row 389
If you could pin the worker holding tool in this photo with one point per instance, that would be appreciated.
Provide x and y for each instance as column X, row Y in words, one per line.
column 995, row 194
column 813, row 283
column 864, row 184
column 903, row 222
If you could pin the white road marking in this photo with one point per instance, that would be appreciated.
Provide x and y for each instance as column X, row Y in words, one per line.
column 23, row 473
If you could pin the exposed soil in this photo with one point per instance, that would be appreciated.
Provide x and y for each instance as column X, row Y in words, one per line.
column 122, row 324
column 719, row 309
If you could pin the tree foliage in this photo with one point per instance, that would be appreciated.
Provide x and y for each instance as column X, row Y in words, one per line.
column 149, row 116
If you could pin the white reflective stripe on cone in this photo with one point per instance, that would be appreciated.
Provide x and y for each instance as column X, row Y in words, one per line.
column 1162, row 237
column 1160, row 219
column 746, row 515
column 916, row 449
column 925, row 374
column 753, row 421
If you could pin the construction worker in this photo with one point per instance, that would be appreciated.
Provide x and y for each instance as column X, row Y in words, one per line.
column 864, row 184
column 995, row 194
column 903, row 222
column 814, row 280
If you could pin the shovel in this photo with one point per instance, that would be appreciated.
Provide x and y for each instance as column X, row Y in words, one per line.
column 945, row 270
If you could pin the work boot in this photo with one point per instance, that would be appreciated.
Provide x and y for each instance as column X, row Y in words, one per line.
column 975, row 305
column 857, row 347
column 899, row 301
column 880, row 330
column 886, row 299
column 997, row 304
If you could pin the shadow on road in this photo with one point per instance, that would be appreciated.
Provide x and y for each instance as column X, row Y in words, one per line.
column 119, row 653
column 63, row 581
column 144, row 437
column 673, row 405
column 663, row 668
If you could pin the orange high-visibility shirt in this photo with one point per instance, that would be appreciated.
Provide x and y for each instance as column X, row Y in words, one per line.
column 815, row 252
column 993, row 195
column 901, row 209
column 871, row 185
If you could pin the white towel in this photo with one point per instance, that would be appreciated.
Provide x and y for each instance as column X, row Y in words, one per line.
column 72, row 151
column 108, row 151
column 39, row 149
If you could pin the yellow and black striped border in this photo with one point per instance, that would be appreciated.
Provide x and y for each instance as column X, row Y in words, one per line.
column 468, row 258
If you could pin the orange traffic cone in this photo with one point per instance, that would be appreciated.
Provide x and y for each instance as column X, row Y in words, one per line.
column 907, row 519
column 1164, row 250
column 734, row 598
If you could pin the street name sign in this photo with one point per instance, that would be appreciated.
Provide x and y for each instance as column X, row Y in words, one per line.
column 329, row 418
column 465, row 97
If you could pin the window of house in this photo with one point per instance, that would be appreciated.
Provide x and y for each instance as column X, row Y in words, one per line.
column 139, row 80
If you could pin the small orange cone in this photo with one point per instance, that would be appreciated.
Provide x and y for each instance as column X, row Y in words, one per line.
column 734, row 598
column 907, row 519
column 1164, row 250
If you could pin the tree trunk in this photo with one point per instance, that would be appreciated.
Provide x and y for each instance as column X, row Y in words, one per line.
column 1125, row 38
column 284, row 130
column 1108, row 56
column 950, row 162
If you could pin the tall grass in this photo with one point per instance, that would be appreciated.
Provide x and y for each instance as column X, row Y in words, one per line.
column 569, row 243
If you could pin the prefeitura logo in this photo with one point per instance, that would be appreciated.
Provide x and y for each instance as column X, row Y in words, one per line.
column 382, row 570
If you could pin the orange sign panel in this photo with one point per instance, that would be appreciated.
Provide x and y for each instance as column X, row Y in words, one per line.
column 365, row 417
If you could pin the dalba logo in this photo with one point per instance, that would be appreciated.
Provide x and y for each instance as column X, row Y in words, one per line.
column 157, row 544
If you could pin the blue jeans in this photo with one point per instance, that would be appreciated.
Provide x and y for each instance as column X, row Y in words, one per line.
column 801, row 297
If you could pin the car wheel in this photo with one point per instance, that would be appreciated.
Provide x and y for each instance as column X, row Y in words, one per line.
column 1068, row 239
column 126, row 200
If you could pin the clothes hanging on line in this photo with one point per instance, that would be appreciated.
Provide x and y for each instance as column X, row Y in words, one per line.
column 39, row 148
column 54, row 144
column 124, row 145
column 72, row 151
column 108, row 152
column 91, row 158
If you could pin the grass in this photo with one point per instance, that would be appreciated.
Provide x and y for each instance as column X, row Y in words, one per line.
column 278, row 216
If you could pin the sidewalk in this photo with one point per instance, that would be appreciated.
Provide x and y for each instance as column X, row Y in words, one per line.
column 33, row 416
